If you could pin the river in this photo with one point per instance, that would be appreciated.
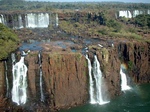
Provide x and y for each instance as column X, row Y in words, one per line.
column 135, row 100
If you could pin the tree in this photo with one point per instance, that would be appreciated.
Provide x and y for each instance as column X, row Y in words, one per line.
column 8, row 41
column 11, row 1
column 114, row 24
column 143, row 20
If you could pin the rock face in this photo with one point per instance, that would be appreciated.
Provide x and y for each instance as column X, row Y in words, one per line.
column 110, row 66
column 65, row 77
column 65, row 74
column 137, row 57
column 2, row 77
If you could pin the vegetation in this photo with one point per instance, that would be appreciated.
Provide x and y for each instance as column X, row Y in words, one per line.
column 130, row 65
column 8, row 41
column 143, row 20
column 37, row 5
column 101, row 24
column 85, row 19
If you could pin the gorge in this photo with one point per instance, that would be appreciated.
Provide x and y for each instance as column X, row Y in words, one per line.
column 64, row 70
column 68, row 72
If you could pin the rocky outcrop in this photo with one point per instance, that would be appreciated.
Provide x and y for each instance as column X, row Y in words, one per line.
column 137, row 57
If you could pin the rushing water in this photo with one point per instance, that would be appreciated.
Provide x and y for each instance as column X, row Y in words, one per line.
column 96, row 83
column 99, row 97
column 91, row 84
column 135, row 100
column 7, row 82
column 124, row 81
column 40, row 20
column 41, row 75
column 19, row 92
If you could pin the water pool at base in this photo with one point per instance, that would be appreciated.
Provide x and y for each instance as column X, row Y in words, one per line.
column 135, row 100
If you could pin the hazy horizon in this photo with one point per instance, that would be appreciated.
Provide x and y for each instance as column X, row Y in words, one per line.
column 125, row 1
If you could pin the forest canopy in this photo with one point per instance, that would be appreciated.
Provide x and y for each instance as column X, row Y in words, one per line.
column 8, row 41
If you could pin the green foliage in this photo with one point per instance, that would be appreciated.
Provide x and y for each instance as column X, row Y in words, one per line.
column 132, row 30
column 143, row 20
column 78, row 56
column 114, row 24
column 103, row 31
column 8, row 41
column 130, row 65
column 100, row 18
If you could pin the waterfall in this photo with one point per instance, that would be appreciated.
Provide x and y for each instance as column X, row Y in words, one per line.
column 126, row 14
column 6, row 75
column 129, row 14
column 137, row 12
column 57, row 20
column 91, row 84
column 41, row 80
column 40, row 20
column 98, row 82
column 95, row 84
column 148, row 11
column 2, row 20
column 20, row 25
column 19, row 92
column 29, row 20
column 124, row 85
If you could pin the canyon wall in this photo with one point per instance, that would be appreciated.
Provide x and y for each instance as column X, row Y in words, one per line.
column 137, row 57
column 65, row 77
column 65, row 74
column 110, row 67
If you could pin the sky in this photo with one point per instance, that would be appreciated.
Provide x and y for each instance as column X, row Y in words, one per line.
column 134, row 1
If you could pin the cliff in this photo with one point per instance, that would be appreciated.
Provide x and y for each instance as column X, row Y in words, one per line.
column 65, row 78
column 137, row 57
column 110, row 67
column 65, row 74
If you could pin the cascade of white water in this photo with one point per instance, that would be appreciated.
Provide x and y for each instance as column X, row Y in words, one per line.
column 91, row 84
column 20, row 21
column 2, row 20
column 126, row 14
column 98, row 82
column 41, row 87
column 129, row 14
column 124, row 85
column 57, row 20
column 148, row 11
column 137, row 12
column 41, row 80
column 40, row 20
column 13, row 58
column 7, row 83
column 19, row 92
column 18, row 24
